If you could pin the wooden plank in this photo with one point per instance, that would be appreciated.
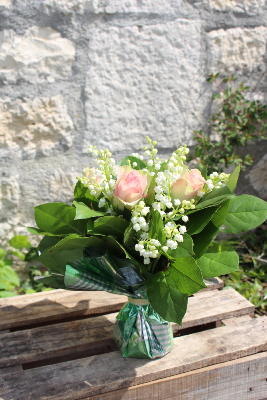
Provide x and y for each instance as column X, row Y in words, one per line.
column 213, row 283
column 10, row 370
column 237, row 320
column 109, row 372
column 96, row 333
column 55, row 305
column 61, row 304
column 4, row 331
column 241, row 379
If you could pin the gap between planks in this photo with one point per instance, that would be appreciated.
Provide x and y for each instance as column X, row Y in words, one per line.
column 94, row 335
column 109, row 372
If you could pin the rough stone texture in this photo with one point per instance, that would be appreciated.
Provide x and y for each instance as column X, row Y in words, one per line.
column 236, row 49
column 39, row 54
column 258, row 177
column 144, row 80
column 33, row 128
column 109, row 72
column 238, row 6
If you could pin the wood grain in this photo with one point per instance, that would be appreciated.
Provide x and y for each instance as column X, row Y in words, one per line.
column 109, row 372
column 61, row 304
column 96, row 333
column 241, row 379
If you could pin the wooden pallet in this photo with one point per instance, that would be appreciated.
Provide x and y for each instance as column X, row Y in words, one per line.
column 58, row 345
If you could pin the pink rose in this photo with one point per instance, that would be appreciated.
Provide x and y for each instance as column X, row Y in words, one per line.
column 187, row 185
column 131, row 186
column 89, row 174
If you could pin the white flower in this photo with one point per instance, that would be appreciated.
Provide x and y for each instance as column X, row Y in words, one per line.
column 157, row 166
column 171, row 244
column 200, row 194
column 165, row 249
column 147, row 153
column 152, row 173
column 136, row 227
column 150, row 163
column 146, row 260
column 169, row 204
column 185, row 218
column 177, row 202
column 181, row 211
column 179, row 238
column 134, row 164
column 139, row 247
column 145, row 211
column 144, row 169
column 156, row 206
column 144, row 235
column 210, row 186
column 95, row 153
column 182, row 229
column 93, row 192
column 134, row 220
column 101, row 202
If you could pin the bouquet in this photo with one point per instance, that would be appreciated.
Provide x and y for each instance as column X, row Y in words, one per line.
column 144, row 228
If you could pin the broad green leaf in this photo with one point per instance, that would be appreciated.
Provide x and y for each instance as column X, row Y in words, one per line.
column 140, row 163
column 151, row 192
column 58, row 218
column 187, row 244
column 219, row 259
column 165, row 297
column 219, row 217
column 203, row 170
column 203, row 239
column 84, row 212
column 56, row 281
column 10, row 276
column 36, row 231
column 156, row 228
column 129, row 236
column 19, row 242
column 82, row 194
column 6, row 293
column 214, row 198
column 233, row 178
column 187, row 275
column 114, row 247
column 114, row 226
column 32, row 254
column 198, row 220
column 67, row 250
column 47, row 242
column 2, row 253
column 2, row 286
column 18, row 253
column 245, row 212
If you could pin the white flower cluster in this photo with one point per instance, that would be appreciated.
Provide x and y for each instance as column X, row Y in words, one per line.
column 216, row 181
column 174, row 235
column 148, row 249
column 138, row 220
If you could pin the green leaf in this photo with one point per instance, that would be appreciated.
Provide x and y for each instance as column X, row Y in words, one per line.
column 18, row 253
column 245, row 212
column 32, row 254
column 36, row 231
column 114, row 226
column 58, row 218
column 6, row 293
column 151, row 192
column 203, row 170
column 165, row 297
column 47, row 242
column 203, row 239
column 219, row 217
column 198, row 220
column 19, row 242
column 233, row 178
column 215, row 197
column 82, row 193
column 187, row 244
column 220, row 259
column 140, row 163
column 84, row 212
column 66, row 251
column 2, row 253
column 114, row 247
column 129, row 236
column 9, row 276
column 156, row 228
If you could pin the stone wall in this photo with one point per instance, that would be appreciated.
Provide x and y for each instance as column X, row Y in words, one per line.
column 109, row 72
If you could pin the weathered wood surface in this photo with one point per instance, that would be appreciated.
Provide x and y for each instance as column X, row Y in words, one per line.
column 109, row 372
column 96, row 332
column 61, row 304
column 243, row 379
column 237, row 320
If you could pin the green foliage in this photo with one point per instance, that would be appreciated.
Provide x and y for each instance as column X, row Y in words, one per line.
column 251, row 280
column 238, row 122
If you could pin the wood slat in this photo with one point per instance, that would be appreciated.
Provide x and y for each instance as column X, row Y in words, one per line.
column 241, row 379
column 61, row 304
column 237, row 320
column 109, row 372
column 96, row 333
